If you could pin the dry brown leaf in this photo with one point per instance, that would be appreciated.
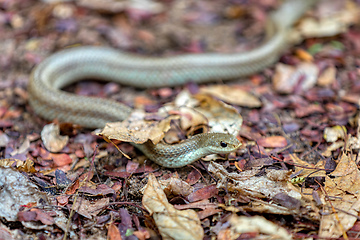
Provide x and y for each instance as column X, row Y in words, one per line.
column 273, row 142
column 205, row 109
column 247, row 184
column 332, row 24
column 21, row 166
column 343, row 187
column 113, row 232
column 53, row 141
column 176, row 186
column 23, row 147
column 308, row 169
column 172, row 223
column 138, row 130
column 287, row 78
column 191, row 118
column 114, row 6
column 354, row 142
column 221, row 116
column 304, row 55
column 257, row 224
column 333, row 147
column 89, row 208
column 332, row 134
column 328, row 77
column 142, row 234
column 232, row 95
column 271, row 208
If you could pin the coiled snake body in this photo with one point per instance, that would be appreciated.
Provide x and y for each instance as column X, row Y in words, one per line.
column 71, row 65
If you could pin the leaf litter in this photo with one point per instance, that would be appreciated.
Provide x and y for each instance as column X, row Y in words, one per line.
column 298, row 169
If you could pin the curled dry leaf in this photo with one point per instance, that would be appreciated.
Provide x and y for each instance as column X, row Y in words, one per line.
column 305, row 169
column 138, row 130
column 343, row 186
column 232, row 95
column 221, row 116
column 23, row 148
column 333, row 147
column 89, row 208
column 263, row 207
column 21, row 166
column 203, row 109
column 191, row 118
column 327, row 77
column 176, row 186
column 354, row 142
column 172, row 223
column 332, row 134
column 247, row 183
column 258, row 225
column 287, row 78
column 52, row 139
column 332, row 24
column 114, row 6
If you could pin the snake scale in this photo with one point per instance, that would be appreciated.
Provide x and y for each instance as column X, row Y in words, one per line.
column 72, row 65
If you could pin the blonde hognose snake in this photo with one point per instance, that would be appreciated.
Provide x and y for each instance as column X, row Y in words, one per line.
column 71, row 65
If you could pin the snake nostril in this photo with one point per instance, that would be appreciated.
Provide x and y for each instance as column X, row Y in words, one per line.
column 223, row 144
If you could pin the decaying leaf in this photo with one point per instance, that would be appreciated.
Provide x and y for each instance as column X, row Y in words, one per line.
column 327, row 77
column 263, row 228
column 232, row 95
column 332, row 134
column 89, row 208
column 205, row 109
column 22, row 148
column 221, row 116
column 193, row 111
column 52, row 139
column 113, row 6
column 343, row 187
column 21, row 166
column 247, row 183
column 190, row 118
column 333, row 147
column 305, row 169
column 16, row 191
column 287, row 78
column 113, row 232
column 138, row 130
column 172, row 223
column 331, row 23
column 273, row 142
column 176, row 186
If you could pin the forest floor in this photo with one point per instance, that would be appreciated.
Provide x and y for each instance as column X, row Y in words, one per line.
column 296, row 174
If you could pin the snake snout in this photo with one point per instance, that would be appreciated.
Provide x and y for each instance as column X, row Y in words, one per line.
column 223, row 143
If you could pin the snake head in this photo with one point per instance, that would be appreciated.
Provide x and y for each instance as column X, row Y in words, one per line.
column 221, row 143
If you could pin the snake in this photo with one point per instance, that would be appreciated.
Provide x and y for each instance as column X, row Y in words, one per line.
column 103, row 63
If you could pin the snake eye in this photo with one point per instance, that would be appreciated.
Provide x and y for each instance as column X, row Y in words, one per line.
column 223, row 144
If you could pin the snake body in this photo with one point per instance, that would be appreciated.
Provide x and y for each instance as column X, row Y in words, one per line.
column 75, row 64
